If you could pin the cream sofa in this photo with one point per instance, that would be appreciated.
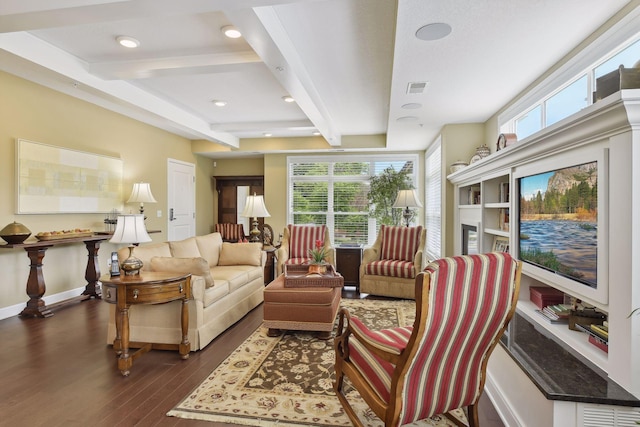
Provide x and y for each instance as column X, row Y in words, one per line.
column 227, row 282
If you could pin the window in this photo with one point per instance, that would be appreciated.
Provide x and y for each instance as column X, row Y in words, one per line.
column 332, row 190
column 433, row 198
column 570, row 88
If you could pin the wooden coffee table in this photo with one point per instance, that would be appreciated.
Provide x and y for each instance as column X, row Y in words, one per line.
column 145, row 288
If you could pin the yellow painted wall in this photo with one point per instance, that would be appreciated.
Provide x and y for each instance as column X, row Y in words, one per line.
column 33, row 112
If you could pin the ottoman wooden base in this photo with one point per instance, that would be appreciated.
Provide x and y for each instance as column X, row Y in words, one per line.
column 300, row 309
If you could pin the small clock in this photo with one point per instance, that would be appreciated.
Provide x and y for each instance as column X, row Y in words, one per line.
column 505, row 140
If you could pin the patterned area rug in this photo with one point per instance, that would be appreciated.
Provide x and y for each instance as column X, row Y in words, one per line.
column 288, row 380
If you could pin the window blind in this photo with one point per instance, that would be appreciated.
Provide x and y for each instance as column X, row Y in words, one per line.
column 433, row 198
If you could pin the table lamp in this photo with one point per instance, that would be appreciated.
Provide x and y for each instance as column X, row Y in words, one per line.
column 141, row 193
column 130, row 229
column 254, row 207
column 407, row 199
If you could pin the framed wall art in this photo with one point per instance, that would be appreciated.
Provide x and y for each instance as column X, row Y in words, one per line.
column 52, row 179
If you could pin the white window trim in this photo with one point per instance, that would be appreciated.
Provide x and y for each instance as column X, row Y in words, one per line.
column 347, row 158
column 606, row 45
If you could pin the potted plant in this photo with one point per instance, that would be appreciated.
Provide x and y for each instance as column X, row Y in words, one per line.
column 317, row 265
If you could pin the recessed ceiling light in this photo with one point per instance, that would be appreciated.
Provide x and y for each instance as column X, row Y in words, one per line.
column 435, row 31
column 231, row 32
column 267, row 134
column 412, row 106
column 288, row 98
column 407, row 119
column 219, row 103
column 127, row 41
column 316, row 133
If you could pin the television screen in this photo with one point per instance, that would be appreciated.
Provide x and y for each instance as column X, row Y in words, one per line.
column 559, row 221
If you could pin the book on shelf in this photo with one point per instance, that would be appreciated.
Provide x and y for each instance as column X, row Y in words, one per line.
column 601, row 330
column 504, row 192
column 560, row 310
column 503, row 219
column 474, row 195
column 551, row 318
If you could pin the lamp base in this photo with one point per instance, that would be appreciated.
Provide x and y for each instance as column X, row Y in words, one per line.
column 132, row 265
column 255, row 233
column 407, row 214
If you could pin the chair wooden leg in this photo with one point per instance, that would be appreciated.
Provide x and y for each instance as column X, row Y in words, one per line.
column 472, row 415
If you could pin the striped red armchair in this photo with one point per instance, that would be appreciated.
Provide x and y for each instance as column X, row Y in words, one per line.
column 231, row 232
column 296, row 242
column 389, row 267
column 405, row 374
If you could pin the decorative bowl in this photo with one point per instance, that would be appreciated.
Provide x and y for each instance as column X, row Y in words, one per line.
column 457, row 165
column 15, row 233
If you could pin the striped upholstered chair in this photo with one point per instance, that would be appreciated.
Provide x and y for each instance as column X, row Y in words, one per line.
column 389, row 267
column 231, row 232
column 296, row 242
column 405, row 374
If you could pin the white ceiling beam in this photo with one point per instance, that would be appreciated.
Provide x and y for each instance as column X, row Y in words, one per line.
column 263, row 126
column 21, row 15
column 33, row 49
column 172, row 66
column 264, row 32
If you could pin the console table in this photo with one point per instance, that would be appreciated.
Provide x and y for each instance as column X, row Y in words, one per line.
column 35, row 283
column 148, row 287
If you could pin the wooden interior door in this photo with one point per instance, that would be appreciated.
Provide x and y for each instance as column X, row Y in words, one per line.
column 227, row 188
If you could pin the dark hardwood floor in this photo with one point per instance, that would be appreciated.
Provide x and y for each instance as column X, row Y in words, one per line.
column 59, row 371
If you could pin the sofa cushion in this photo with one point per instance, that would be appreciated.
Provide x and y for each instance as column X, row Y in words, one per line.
column 219, row 291
column 196, row 266
column 399, row 243
column 145, row 252
column 209, row 246
column 240, row 254
column 391, row 268
column 187, row 248
column 236, row 275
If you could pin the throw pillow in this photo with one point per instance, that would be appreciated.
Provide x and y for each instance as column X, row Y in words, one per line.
column 187, row 248
column 240, row 254
column 197, row 266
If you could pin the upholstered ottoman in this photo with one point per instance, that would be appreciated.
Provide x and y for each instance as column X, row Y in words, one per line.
column 300, row 309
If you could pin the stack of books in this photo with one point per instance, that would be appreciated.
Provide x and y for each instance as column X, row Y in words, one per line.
column 598, row 335
column 558, row 313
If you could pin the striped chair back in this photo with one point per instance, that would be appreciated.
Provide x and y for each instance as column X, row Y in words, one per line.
column 230, row 232
column 469, row 300
column 304, row 237
column 399, row 243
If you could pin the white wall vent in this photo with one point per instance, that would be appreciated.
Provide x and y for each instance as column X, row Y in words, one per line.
column 417, row 87
column 609, row 416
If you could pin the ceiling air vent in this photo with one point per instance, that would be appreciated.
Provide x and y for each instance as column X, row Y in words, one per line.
column 417, row 87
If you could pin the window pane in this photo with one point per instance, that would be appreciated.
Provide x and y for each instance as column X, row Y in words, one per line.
column 310, row 197
column 351, row 168
column 627, row 57
column 351, row 228
column 530, row 123
column 569, row 100
column 309, row 169
column 350, row 197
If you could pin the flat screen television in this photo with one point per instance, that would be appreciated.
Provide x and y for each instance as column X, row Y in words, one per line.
column 561, row 235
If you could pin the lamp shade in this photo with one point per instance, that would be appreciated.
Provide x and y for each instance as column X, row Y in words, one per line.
column 141, row 193
column 407, row 199
column 254, row 207
column 130, row 229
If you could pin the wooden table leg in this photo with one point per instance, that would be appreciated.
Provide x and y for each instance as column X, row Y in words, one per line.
column 185, row 346
column 125, row 361
column 35, row 285
column 92, row 274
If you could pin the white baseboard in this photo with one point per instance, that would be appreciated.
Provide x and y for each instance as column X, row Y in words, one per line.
column 497, row 397
column 14, row 310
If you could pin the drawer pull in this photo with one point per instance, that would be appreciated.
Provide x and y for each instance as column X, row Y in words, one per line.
column 108, row 293
column 135, row 293
column 181, row 288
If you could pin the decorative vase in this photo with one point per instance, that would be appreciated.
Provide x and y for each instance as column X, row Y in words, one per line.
column 15, row 233
column 317, row 268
